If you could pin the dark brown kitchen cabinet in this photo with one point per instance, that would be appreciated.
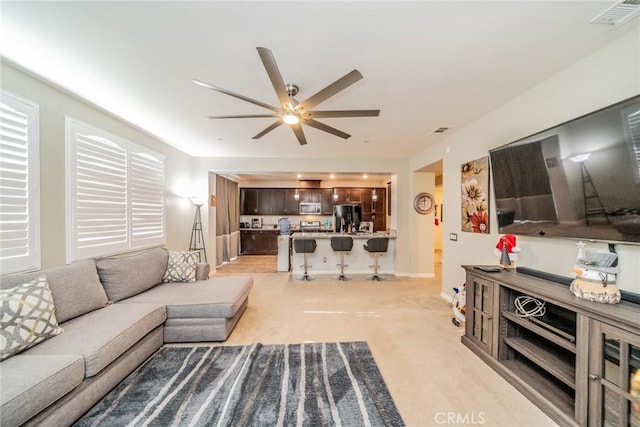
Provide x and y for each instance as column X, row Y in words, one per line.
column 379, row 222
column 365, row 200
column 310, row 195
column 277, row 199
column 348, row 195
column 265, row 201
column 246, row 242
column 258, row 242
column 374, row 210
column 291, row 205
column 326, row 200
column 380, row 204
column 249, row 201
column 266, row 242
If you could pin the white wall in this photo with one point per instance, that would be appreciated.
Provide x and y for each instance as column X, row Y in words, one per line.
column 54, row 106
column 608, row 75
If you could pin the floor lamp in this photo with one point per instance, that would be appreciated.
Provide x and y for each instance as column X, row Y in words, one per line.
column 590, row 197
column 197, row 236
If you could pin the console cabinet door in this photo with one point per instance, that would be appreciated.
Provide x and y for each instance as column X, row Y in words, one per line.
column 614, row 376
column 479, row 317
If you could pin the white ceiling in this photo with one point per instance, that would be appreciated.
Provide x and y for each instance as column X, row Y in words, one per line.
column 426, row 64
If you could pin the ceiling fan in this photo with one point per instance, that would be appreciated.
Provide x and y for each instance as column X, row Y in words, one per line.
column 292, row 112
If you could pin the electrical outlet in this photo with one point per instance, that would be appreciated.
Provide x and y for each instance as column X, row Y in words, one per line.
column 324, row 259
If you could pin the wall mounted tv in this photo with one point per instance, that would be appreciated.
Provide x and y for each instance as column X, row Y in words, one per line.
column 580, row 179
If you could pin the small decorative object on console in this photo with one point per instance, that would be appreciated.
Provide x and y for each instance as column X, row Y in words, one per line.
column 595, row 276
column 507, row 250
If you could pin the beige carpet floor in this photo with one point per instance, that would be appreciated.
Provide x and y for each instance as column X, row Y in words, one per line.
column 433, row 378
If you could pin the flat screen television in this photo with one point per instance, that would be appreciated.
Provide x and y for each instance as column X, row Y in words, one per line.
column 580, row 179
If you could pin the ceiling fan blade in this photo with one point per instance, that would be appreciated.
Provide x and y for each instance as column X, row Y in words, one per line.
column 335, row 87
column 345, row 113
column 236, row 95
column 274, row 75
column 297, row 129
column 321, row 126
column 268, row 129
column 250, row 116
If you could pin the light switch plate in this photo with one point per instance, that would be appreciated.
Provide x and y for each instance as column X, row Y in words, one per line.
column 453, row 237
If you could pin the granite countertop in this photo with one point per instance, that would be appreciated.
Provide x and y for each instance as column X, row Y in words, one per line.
column 325, row 235
column 268, row 228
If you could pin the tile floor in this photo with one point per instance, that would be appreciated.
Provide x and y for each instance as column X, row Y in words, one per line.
column 432, row 377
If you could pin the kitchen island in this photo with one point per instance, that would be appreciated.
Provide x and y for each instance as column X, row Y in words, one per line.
column 325, row 261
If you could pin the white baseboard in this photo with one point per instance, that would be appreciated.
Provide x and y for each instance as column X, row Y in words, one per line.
column 416, row 275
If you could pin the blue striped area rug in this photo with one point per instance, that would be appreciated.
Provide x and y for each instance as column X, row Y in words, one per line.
column 313, row 384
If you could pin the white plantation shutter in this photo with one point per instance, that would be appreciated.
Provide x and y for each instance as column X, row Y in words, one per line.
column 19, row 181
column 115, row 194
column 631, row 118
column 147, row 199
column 98, row 169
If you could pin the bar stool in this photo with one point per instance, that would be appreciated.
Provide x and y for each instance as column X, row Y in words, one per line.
column 376, row 246
column 342, row 244
column 305, row 246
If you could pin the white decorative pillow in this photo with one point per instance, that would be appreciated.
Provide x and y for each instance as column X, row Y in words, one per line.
column 181, row 267
column 27, row 317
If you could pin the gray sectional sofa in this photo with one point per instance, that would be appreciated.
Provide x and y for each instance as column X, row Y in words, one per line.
column 115, row 313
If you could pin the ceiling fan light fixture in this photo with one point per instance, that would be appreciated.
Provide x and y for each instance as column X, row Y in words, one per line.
column 291, row 118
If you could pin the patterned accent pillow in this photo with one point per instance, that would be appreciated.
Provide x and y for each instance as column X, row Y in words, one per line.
column 181, row 267
column 27, row 317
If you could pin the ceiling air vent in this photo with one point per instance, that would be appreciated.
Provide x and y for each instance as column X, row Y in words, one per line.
column 618, row 13
column 443, row 129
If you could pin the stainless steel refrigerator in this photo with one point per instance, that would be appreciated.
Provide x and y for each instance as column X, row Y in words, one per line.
column 345, row 215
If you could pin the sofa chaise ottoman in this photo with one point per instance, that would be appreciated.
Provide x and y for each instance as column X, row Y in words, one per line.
column 203, row 310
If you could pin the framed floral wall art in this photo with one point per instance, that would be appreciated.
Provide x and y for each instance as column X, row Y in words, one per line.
column 475, row 196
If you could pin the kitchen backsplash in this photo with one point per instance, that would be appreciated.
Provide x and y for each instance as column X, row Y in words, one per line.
column 271, row 221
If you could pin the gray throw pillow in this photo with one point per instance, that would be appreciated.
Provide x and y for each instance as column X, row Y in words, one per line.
column 125, row 276
column 27, row 317
column 181, row 267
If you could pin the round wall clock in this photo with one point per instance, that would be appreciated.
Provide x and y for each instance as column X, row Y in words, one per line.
column 424, row 203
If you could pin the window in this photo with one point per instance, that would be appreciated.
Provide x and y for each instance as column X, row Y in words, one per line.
column 19, row 181
column 115, row 194
column 631, row 117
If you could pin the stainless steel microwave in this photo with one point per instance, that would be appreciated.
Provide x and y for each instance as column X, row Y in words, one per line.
column 307, row 208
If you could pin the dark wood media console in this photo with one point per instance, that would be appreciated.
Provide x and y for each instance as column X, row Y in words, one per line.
column 576, row 362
